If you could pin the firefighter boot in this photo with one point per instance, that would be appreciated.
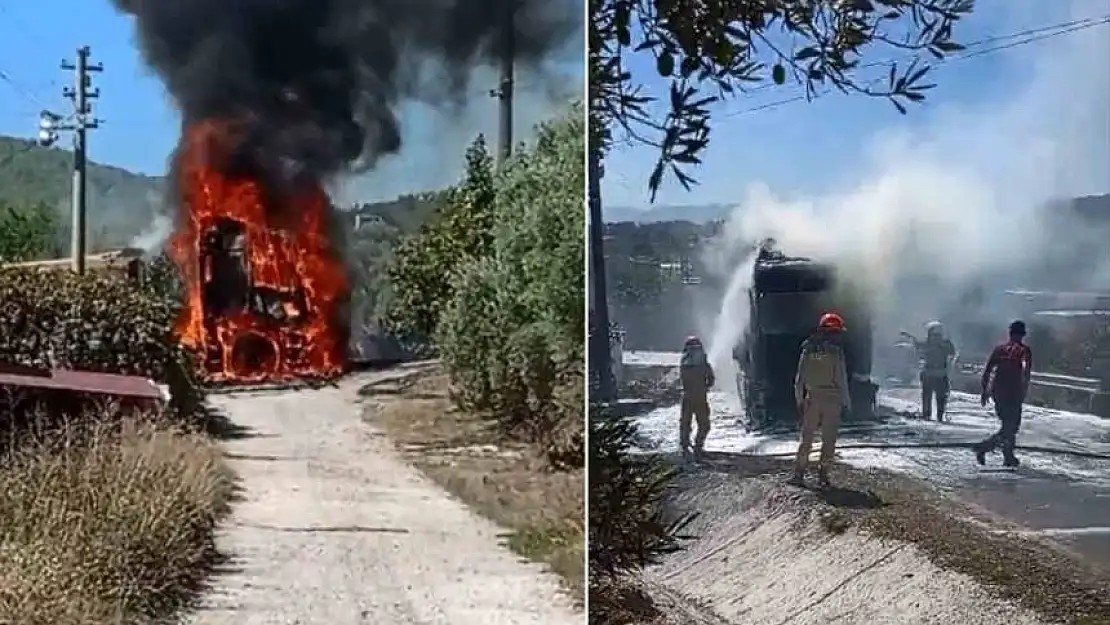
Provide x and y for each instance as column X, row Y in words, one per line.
column 980, row 453
column 823, row 478
column 798, row 479
column 1008, row 457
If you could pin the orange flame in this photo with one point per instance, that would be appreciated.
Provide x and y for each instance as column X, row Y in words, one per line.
column 268, row 304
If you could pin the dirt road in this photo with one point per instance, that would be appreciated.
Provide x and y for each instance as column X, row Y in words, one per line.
column 335, row 529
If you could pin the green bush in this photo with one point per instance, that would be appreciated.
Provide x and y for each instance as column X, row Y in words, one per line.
column 28, row 232
column 162, row 280
column 511, row 336
column 424, row 268
column 93, row 322
column 495, row 278
column 471, row 327
column 628, row 527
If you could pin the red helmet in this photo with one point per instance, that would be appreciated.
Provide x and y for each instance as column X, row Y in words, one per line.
column 831, row 321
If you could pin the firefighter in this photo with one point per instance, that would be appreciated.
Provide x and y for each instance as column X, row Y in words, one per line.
column 822, row 395
column 1011, row 364
column 937, row 355
column 904, row 355
column 739, row 356
column 697, row 378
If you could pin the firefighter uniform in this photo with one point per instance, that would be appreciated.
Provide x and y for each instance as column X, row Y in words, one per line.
column 822, row 395
column 697, row 378
column 938, row 354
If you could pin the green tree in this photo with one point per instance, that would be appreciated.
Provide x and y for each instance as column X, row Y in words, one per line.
column 635, row 282
column 511, row 337
column 422, row 272
column 28, row 233
column 711, row 50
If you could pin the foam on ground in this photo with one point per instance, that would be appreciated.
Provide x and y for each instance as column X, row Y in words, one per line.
column 914, row 446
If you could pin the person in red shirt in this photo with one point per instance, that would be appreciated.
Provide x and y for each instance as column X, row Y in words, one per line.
column 1006, row 381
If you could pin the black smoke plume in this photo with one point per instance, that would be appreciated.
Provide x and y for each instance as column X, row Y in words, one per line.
column 313, row 85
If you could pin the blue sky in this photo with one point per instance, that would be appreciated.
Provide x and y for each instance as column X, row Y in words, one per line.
column 805, row 147
column 141, row 126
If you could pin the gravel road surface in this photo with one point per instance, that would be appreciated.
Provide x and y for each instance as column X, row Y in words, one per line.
column 335, row 528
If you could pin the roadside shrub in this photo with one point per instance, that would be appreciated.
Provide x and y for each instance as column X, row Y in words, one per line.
column 470, row 327
column 628, row 527
column 423, row 272
column 27, row 232
column 94, row 322
column 162, row 280
column 511, row 336
column 566, row 440
column 495, row 279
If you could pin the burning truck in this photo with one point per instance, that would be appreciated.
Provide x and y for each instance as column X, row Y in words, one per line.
column 266, row 291
column 787, row 297
column 278, row 98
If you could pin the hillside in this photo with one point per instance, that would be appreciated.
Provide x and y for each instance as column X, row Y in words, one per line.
column 696, row 213
column 122, row 204
column 1096, row 207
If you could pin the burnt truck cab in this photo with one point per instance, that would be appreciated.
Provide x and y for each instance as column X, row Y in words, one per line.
column 787, row 298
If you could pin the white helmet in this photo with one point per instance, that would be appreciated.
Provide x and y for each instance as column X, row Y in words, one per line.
column 934, row 328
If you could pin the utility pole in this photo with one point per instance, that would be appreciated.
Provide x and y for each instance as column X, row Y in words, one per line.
column 504, row 91
column 600, row 344
column 81, row 94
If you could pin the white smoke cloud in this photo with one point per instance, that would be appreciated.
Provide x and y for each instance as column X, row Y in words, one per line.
column 154, row 236
column 957, row 202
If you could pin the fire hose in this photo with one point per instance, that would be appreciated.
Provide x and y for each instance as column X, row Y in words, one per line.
column 1090, row 455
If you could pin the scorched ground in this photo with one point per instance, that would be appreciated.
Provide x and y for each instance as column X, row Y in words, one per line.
column 265, row 287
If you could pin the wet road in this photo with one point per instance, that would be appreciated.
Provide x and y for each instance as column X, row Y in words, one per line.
column 1060, row 492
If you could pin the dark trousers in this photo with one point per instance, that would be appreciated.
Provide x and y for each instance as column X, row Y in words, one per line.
column 695, row 407
column 1008, row 410
column 934, row 386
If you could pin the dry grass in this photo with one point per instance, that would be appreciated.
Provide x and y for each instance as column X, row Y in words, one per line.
column 509, row 483
column 112, row 525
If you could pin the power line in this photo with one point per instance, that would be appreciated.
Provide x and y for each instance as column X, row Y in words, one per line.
column 1023, row 37
column 26, row 93
column 1056, row 31
column 1051, row 28
column 35, row 42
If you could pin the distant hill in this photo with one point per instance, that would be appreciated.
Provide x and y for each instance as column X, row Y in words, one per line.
column 696, row 213
column 122, row 204
column 1092, row 207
